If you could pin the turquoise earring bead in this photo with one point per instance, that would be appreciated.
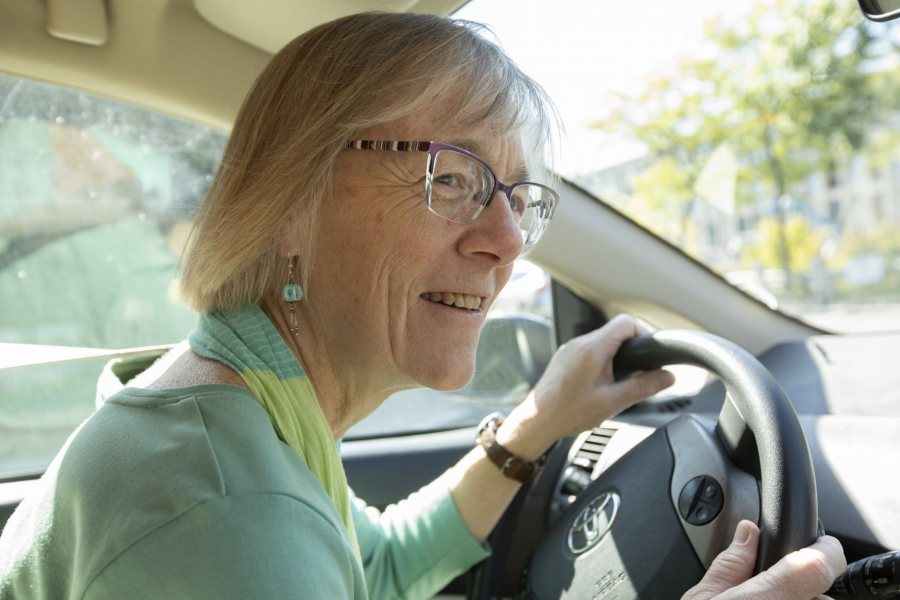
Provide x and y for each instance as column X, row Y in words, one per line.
column 292, row 292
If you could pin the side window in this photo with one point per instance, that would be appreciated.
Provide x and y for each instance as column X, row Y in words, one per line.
column 515, row 346
column 96, row 200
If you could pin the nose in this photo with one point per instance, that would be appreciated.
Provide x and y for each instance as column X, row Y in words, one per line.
column 495, row 233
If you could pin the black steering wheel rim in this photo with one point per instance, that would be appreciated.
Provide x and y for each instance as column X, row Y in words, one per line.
column 789, row 511
column 758, row 430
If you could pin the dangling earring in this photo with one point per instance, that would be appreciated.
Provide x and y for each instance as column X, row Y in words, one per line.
column 292, row 293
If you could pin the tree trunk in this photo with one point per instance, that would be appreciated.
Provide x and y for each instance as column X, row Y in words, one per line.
column 781, row 213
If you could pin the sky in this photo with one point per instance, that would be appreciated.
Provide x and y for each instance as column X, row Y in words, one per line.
column 582, row 50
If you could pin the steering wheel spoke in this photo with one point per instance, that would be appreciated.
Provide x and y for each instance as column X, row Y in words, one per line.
column 710, row 493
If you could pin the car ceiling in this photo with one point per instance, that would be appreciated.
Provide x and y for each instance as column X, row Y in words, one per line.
column 194, row 59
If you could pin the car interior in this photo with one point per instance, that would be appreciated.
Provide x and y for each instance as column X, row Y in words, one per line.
column 776, row 417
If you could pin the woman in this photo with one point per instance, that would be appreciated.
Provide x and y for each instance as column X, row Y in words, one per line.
column 334, row 262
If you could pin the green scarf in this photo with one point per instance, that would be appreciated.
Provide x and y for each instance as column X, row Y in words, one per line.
column 247, row 341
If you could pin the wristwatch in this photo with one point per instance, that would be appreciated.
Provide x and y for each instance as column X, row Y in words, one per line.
column 510, row 465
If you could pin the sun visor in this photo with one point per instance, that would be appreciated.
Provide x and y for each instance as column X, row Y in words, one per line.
column 270, row 24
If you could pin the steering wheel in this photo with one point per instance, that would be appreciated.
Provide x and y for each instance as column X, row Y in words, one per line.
column 650, row 525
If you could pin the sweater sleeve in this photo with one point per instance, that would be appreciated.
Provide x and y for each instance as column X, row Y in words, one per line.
column 251, row 546
column 415, row 547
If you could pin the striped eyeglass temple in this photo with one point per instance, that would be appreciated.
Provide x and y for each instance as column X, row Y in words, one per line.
column 395, row 145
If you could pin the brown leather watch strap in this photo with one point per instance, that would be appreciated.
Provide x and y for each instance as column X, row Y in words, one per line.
column 510, row 465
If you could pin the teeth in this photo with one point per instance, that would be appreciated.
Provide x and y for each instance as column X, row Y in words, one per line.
column 454, row 299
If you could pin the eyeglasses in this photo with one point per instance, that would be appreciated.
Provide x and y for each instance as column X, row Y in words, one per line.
column 459, row 185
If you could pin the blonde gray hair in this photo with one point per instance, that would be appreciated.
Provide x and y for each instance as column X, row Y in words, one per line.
column 320, row 90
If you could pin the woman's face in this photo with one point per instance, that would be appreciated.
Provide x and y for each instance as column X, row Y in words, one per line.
column 386, row 267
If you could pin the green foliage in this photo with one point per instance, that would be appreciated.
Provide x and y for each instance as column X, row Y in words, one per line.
column 666, row 191
column 884, row 240
column 804, row 243
column 796, row 88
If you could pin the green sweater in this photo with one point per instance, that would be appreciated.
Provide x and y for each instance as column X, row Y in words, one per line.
column 189, row 493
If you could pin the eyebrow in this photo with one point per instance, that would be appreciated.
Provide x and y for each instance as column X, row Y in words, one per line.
column 470, row 145
column 520, row 174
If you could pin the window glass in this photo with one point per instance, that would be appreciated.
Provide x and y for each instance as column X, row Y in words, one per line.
column 96, row 200
column 761, row 137
column 515, row 346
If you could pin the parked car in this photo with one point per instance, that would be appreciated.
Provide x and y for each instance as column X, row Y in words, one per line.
column 112, row 121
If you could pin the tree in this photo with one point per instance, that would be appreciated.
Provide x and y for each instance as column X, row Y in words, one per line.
column 803, row 239
column 797, row 87
column 667, row 191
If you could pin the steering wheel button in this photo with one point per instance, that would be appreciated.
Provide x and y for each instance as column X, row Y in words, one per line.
column 688, row 496
column 712, row 492
column 703, row 513
column 700, row 500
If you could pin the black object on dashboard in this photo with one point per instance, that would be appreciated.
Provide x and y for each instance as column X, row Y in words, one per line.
column 873, row 577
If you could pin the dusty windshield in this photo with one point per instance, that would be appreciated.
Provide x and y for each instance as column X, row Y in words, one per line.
column 762, row 138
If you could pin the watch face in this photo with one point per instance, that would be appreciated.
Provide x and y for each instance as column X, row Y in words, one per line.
column 510, row 465
column 489, row 424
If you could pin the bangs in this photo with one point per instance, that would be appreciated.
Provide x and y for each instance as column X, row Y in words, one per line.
column 468, row 73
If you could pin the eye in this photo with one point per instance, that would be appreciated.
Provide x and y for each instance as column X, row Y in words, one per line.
column 458, row 186
column 518, row 202
column 452, row 180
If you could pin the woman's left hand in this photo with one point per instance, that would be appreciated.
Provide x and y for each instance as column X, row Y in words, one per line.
column 798, row 576
column 578, row 391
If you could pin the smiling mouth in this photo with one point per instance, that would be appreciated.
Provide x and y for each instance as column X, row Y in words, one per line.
column 455, row 299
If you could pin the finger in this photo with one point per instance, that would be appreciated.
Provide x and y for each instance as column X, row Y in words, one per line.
column 642, row 329
column 639, row 386
column 618, row 329
column 806, row 573
column 732, row 567
column 604, row 342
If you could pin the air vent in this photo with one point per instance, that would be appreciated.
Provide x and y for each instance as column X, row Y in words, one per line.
column 672, row 405
column 592, row 448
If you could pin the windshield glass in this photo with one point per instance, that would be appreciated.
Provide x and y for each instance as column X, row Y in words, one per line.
column 762, row 138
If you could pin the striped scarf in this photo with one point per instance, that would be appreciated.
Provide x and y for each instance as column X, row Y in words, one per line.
column 247, row 341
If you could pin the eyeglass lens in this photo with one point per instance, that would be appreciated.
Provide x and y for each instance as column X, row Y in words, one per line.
column 460, row 188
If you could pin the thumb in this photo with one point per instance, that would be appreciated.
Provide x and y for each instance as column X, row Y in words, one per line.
column 730, row 568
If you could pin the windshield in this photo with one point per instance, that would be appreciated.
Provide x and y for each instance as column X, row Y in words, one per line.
column 761, row 138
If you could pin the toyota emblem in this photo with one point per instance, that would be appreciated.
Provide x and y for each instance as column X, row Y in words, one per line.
column 593, row 522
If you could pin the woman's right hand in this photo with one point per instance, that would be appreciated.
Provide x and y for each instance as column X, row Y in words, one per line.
column 578, row 391
column 800, row 575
